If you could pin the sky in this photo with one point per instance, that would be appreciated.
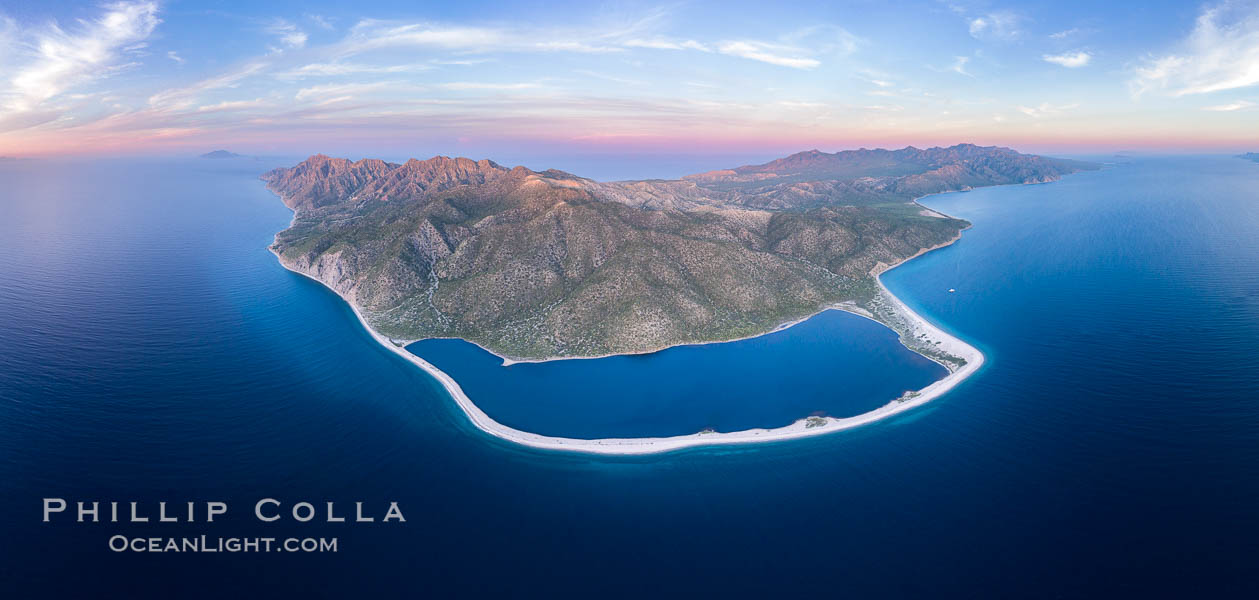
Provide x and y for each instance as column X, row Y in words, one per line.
column 486, row 79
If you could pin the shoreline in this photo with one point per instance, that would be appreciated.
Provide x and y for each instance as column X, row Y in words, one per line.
column 805, row 427
column 847, row 306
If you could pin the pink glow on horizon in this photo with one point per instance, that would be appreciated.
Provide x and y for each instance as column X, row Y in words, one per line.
column 364, row 143
column 89, row 83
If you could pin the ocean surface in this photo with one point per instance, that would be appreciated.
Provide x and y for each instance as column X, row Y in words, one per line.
column 835, row 364
column 151, row 349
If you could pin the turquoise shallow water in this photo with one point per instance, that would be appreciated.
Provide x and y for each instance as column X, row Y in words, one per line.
column 152, row 349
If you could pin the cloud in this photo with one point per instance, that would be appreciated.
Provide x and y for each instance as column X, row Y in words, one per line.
column 369, row 35
column 230, row 105
column 607, row 77
column 800, row 104
column 288, row 33
column 478, row 85
column 876, row 78
column 796, row 50
column 884, row 107
column 572, row 46
column 1000, row 25
column 664, row 44
column 959, row 65
column 57, row 60
column 341, row 69
column 824, row 39
column 320, row 20
column 1066, row 33
column 326, row 94
column 767, row 53
column 1230, row 107
column 1070, row 60
column 361, row 78
column 1222, row 53
column 8, row 37
column 186, row 96
column 1046, row 110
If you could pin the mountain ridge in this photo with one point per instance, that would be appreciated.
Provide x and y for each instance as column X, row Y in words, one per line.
column 539, row 264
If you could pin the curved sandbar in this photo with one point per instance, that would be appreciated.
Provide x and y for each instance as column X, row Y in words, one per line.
column 912, row 325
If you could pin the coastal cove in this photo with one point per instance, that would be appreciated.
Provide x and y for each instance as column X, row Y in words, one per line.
column 909, row 323
column 155, row 350
column 834, row 363
column 540, row 265
column 942, row 300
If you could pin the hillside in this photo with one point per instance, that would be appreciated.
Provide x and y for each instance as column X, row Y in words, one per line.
column 543, row 264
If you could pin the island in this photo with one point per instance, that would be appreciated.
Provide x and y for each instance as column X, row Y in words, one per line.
column 542, row 265
column 221, row 154
column 1254, row 156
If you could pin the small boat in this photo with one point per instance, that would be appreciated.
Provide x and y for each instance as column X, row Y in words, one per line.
column 951, row 290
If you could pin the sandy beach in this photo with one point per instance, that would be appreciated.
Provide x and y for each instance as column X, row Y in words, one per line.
column 805, row 427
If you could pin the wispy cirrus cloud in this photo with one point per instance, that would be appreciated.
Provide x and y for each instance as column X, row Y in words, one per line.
column 998, row 25
column 1221, row 53
column 320, row 20
column 481, row 85
column 340, row 92
column 798, row 50
column 959, row 65
column 768, row 53
column 666, row 44
column 184, row 97
column 231, row 105
column 51, row 60
column 1070, row 60
column 290, row 35
column 380, row 76
column 370, row 34
column 8, row 38
column 1230, row 107
column 1046, row 109
column 824, row 39
column 343, row 69
column 373, row 49
column 607, row 77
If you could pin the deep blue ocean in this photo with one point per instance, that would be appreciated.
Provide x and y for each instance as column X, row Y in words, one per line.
column 152, row 349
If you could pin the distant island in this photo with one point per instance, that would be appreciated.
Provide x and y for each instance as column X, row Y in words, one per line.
column 536, row 265
column 1250, row 156
column 221, row 154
